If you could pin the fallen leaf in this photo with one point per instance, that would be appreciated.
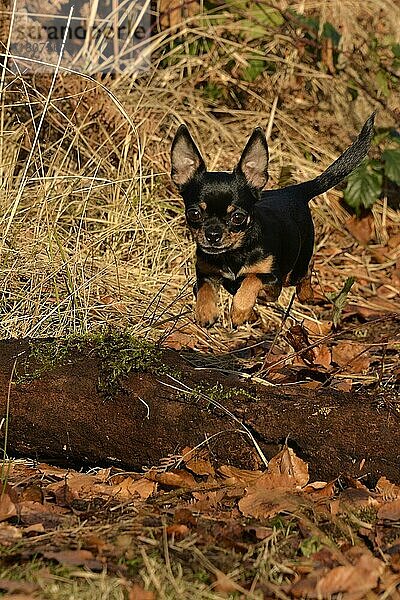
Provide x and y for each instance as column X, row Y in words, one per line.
column 390, row 511
column 184, row 516
column 129, row 488
column 356, row 499
column 317, row 328
column 387, row 489
column 50, row 515
column 361, row 229
column 139, row 593
column 178, row 340
column 18, row 587
column 75, row 558
column 235, row 476
column 298, row 339
column 197, row 461
column 178, row 530
column 320, row 489
column 177, row 478
column 344, row 385
column 35, row 528
column 264, row 503
column 356, row 579
column 33, row 493
column 224, row 584
column 7, row 507
column 209, row 499
column 351, row 356
column 322, row 356
column 287, row 463
column 9, row 534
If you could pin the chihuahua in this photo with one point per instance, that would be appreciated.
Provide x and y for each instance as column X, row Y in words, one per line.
column 251, row 242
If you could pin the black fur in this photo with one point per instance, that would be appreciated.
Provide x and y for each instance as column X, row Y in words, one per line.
column 278, row 222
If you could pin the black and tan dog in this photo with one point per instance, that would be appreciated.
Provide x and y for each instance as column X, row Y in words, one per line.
column 250, row 241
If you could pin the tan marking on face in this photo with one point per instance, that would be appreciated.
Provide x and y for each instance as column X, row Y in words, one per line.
column 263, row 267
column 203, row 206
column 245, row 299
column 206, row 304
column 237, row 239
column 230, row 209
column 230, row 240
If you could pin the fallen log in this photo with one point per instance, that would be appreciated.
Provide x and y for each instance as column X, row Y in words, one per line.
column 130, row 406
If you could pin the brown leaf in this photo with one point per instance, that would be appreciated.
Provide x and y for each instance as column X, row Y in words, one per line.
column 235, row 476
column 129, row 488
column 209, row 499
column 320, row 489
column 359, row 578
column 7, row 507
column 9, row 534
column 298, row 339
column 35, row 528
column 17, row 587
column 197, row 461
column 177, row 479
column 351, row 356
column 75, row 558
column 317, row 328
column 390, row 511
column 178, row 530
column 50, row 515
column 387, row 489
column 287, row 463
column 322, row 356
column 138, row 593
column 357, row 499
column 224, row 584
column 264, row 503
column 344, row 385
column 178, row 340
column 361, row 229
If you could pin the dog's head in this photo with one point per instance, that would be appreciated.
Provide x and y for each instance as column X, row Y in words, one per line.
column 219, row 205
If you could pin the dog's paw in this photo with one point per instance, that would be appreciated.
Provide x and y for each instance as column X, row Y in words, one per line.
column 241, row 314
column 206, row 314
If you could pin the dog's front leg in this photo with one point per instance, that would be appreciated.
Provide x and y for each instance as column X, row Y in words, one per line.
column 245, row 299
column 206, row 300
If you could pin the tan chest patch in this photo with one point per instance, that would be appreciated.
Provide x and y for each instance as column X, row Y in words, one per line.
column 263, row 267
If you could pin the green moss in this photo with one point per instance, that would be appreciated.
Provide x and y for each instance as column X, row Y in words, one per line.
column 119, row 353
column 219, row 393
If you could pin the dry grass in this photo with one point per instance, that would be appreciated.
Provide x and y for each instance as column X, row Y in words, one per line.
column 92, row 231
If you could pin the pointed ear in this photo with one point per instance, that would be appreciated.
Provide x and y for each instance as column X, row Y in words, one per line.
column 186, row 159
column 253, row 163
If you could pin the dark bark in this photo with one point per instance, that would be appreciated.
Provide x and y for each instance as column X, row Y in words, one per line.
column 62, row 416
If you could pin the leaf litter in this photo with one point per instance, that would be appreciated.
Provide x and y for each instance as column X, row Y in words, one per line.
column 317, row 538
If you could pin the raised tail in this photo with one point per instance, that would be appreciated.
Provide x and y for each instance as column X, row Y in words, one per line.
column 343, row 166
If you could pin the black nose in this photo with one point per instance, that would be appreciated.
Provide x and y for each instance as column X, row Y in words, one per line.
column 213, row 236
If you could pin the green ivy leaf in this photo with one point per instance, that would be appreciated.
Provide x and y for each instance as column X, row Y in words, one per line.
column 396, row 50
column 391, row 159
column 382, row 82
column 339, row 300
column 364, row 186
column 330, row 32
column 253, row 70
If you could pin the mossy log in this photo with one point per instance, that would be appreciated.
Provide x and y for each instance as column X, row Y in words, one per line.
column 58, row 411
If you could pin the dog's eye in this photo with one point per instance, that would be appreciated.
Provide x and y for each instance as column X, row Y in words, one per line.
column 194, row 215
column 238, row 218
